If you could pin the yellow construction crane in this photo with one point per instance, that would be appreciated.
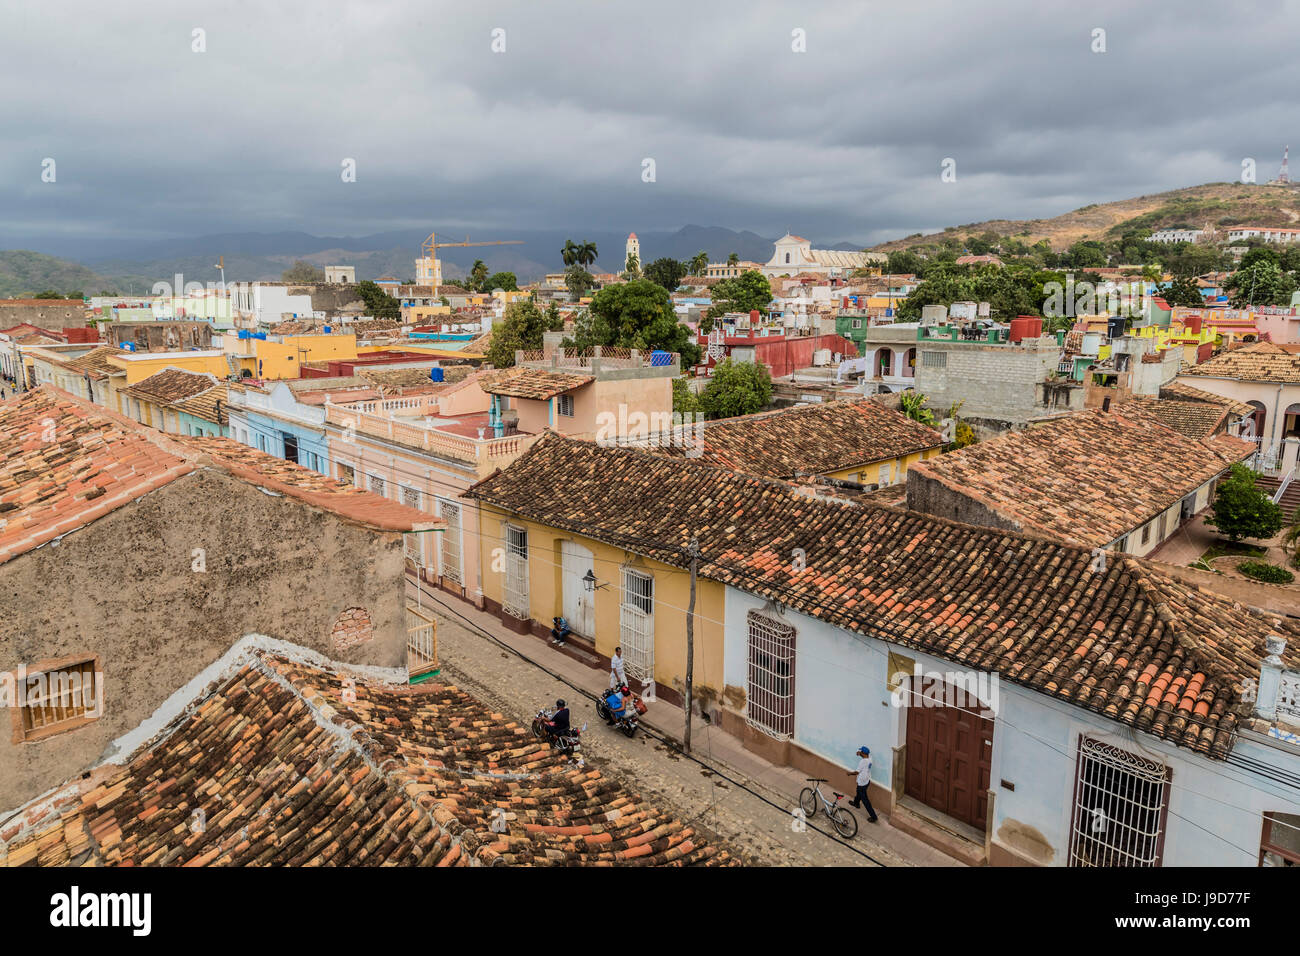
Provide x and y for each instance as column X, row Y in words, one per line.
column 428, row 270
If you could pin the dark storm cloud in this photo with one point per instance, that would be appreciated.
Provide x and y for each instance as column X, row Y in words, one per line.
column 844, row 141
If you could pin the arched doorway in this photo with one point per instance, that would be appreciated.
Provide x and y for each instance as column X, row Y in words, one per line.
column 1291, row 421
column 884, row 363
column 1253, row 426
column 909, row 363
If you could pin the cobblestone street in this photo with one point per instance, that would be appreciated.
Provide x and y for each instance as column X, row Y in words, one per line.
column 747, row 802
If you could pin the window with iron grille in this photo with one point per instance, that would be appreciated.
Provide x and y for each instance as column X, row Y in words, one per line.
column 59, row 698
column 516, row 583
column 636, row 624
column 347, row 475
column 1280, row 843
column 450, row 549
column 770, row 682
column 564, row 406
column 411, row 498
column 377, row 486
column 934, row 359
column 1120, row 804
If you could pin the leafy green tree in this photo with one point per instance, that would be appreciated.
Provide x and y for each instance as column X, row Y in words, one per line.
column 685, row 399
column 1261, row 283
column 904, row 262
column 736, row 388
column 48, row 294
column 1184, row 292
column 578, row 280
column 303, row 272
column 379, row 303
column 501, row 280
column 478, row 274
column 666, row 272
column 748, row 291
column 521, row 327
column 632, row 268
column 634, row 315
column 1241, row 510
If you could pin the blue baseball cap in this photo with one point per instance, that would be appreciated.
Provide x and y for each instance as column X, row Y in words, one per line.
column 865, row 750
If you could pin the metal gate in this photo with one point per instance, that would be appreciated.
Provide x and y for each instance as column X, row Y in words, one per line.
column 1120, row 803
column 636, row 624
column 516, row 589
column 450, row 550
column 770, row 687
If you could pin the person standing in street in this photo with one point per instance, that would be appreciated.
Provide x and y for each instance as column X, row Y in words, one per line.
column 617, row 673
column 863, row 773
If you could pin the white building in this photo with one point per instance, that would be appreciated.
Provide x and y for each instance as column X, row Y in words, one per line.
column 1265, row 233
column 268, row 303
column 340, row 275
column 794, row 254
column 1177, row 235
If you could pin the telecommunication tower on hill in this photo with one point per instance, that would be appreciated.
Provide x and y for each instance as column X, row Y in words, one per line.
column 1284, row 174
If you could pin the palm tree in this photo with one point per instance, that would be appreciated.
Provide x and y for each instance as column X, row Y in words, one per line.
column 733, row 260
column 570, row 252
column 585, row 254
column 699, row 262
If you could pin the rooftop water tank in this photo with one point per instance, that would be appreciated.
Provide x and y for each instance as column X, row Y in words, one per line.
column 435, row 374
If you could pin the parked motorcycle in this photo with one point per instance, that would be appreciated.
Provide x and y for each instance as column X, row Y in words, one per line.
column 633, row 708
column 566, row 742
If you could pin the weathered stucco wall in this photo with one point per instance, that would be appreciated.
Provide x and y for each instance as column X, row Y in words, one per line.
column 934, row 497
column 124, row 588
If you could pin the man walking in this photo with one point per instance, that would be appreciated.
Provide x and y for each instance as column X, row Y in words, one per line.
column 617, row 673
column 860, row 799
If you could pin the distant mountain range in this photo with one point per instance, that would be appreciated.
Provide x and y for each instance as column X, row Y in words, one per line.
column 131, row 265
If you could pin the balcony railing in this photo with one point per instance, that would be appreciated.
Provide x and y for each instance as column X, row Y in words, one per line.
column 425, row 436
column 421, row 643
column 597, row 358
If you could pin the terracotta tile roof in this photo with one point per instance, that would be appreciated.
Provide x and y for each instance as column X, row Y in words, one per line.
column 1259, row 362
column 808, row 439
column 96, row 363
column 400, row 776
column 288, row 478
column 1180, row 390
column 371, row 326
column 211, row 406
column 1196, row 420
column 408, row 378
column 1089, row 478
column 536, row 383
column 65, row 463
column 1125, row 641
column 170, row 385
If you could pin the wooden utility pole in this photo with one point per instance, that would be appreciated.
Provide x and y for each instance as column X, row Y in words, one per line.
column 694, row 551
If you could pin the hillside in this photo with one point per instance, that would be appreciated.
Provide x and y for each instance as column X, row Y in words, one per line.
column 25, row 273
column 1219, row 204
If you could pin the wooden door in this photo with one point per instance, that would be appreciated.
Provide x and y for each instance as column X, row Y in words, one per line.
column 949, row 754
column 575, row 562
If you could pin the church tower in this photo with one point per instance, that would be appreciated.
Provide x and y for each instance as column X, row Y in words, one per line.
column 633, row 248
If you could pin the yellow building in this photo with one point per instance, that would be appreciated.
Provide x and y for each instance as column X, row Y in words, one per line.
column 861, row 441
column 570, row 547
column 140, row 365
column 281, row 356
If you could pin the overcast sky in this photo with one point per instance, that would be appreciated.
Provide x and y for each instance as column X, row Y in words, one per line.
column 842, row 142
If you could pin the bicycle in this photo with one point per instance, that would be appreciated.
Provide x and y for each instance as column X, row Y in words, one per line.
column 811, row 798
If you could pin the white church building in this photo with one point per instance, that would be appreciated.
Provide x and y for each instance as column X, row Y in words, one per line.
column 795, row 254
